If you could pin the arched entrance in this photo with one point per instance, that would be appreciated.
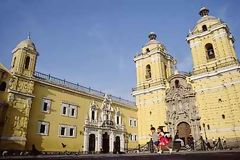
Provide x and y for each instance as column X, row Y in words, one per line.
column 184, row 131
column 91, row 143
column 105, row 143
column 117, row 144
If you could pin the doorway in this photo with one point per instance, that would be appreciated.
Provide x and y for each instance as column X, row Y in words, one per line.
column 105, row 143
column 117, row 144
column 92, row 143
column 184, row 131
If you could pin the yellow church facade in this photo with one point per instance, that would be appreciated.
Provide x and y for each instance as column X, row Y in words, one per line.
column 54, row 115
column 204, row 102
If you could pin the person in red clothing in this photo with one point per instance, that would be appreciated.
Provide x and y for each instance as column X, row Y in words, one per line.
column 164, row 141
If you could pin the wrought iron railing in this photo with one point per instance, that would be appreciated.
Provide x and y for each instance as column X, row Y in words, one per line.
column 77, row 87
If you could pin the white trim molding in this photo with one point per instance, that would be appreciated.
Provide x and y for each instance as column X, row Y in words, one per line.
column 13, row 138
column 138, row 92
column 213, row 73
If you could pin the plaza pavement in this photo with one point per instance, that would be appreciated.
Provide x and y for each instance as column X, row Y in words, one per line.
column 182, row 155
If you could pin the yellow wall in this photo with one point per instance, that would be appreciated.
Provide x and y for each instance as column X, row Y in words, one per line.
column 53, row 141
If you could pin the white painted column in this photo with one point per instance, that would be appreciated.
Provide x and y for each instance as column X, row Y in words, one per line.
column 96, row 141
column 86, row 141
column 122, row 143
column 99, row 142
column 111, row 141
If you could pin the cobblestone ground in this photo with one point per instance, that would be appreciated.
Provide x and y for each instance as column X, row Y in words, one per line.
column 211, row 155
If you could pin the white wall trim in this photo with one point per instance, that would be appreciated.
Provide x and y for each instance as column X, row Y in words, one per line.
column 13, row 138
column 213, row 73
column 151, row 89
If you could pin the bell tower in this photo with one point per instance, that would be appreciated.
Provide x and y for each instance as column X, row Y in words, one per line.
column 215, row 78
column 21, row 86
column 153, row 66
column 211, row 44
column 24, row 58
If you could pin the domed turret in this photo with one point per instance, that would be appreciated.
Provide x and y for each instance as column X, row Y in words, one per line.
column 27, row 43
column 24, row 58
column 152, row 39
column 203, row 11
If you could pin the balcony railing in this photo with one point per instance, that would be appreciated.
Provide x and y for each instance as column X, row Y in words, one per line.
column 77, row 87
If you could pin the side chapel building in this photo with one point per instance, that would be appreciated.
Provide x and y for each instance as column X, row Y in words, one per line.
column 57, row 115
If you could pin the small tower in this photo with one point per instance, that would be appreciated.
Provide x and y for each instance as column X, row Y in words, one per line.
column 153, row 62
column 153, row 66
column 21, row 86
column 24, row 58
column 211, row 44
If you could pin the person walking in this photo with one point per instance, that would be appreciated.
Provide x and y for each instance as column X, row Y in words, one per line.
column 214, row 143
column 164, row 141
column 155, row 138
column 191, row 142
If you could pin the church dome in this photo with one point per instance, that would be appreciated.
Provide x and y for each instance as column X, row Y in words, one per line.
column 206, row 19
column 152, row 39
column 27, row 43
column 203, row 12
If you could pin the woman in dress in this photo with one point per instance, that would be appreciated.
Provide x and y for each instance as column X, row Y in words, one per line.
column 164, row 141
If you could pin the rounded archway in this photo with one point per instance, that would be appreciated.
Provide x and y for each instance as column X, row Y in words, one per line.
column 92, row 143
column 117, row 144
column 105, row 143
column 184, row 131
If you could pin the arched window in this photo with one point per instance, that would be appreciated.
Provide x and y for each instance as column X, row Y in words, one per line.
column 27, row 62
column 208, row 126
column 223, row 116
column 148, row 72
column 14, row 61
column 118, row 118
column 209, row 51
column 177, row 83
column 165, row 70
column 3, row 86
column 93, row 115
column 147, row 50
column 204, row 28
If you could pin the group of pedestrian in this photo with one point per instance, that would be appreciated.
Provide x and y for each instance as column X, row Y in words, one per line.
column 160, row 140
column 219, row 144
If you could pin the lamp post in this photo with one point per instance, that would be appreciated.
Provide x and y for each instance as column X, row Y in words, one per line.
column 204, row 127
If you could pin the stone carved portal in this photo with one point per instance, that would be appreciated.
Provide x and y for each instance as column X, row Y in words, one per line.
column 182, row 113
column 104, row 129
column 184, row 131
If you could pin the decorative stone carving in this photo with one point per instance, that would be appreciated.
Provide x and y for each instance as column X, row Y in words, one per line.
column 13, row 83
column 180, row 100
column 25, row 86
column 104, row 121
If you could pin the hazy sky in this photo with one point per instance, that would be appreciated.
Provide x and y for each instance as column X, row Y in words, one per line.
column 93, row 42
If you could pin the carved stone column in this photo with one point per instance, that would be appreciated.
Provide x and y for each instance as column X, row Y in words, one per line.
column 86, row 141
column 111, row 141
column 122, row 142
column 99, row 142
